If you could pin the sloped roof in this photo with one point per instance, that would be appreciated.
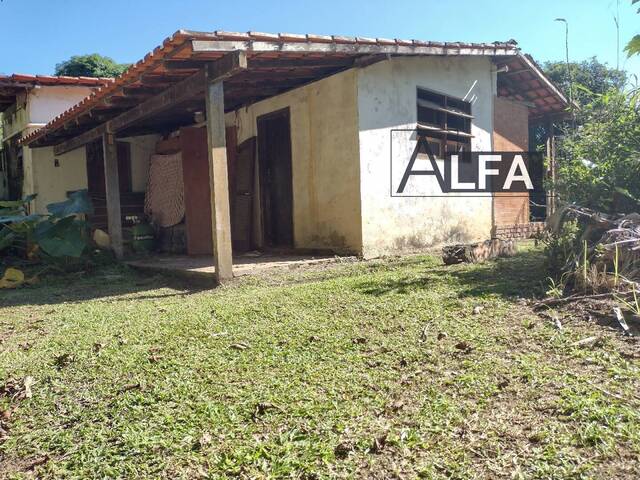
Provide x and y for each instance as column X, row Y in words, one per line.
column 11, row 85
column 276, row 63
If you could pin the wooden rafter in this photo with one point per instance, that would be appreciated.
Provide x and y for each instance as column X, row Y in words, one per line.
column 178, row 93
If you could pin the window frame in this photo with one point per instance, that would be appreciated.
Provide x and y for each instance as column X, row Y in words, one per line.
column 439, row 106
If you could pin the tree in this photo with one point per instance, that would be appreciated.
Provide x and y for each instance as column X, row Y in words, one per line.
column 93, row 65
column 600, row 164
column 588, row 77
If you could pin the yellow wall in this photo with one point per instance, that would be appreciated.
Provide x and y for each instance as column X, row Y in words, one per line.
column 52, row 183
column 324, row 146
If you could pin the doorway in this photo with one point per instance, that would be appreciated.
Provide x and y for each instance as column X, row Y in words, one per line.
column 276, row 186
column 129, row 202
column 95, row 168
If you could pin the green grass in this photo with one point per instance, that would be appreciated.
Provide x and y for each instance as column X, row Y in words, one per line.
column 367, row 370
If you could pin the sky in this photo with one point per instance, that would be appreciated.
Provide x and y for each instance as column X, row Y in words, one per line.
column 37, row 34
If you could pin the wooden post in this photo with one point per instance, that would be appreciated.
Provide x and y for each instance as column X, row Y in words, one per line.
column 551, row 173
column 112, row 188
column 218, row 177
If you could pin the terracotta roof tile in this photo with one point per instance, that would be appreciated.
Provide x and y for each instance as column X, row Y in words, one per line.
column 180, row 42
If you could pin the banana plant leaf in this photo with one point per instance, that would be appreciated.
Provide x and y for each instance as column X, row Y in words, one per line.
column 62, row 238
column 78, row 202
column 19, row 219
column 17, row 203
column 6, row 238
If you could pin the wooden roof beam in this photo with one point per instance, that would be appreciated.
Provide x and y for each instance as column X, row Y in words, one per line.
column 220, row 69
column 346, row 48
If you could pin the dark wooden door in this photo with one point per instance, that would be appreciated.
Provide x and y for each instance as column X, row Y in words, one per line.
column 276, row 185
column 197, row 190
column 242, row 202
column 197, row 187
column 95, row 168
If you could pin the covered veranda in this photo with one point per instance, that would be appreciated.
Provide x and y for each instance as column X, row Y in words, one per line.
column 214, row 73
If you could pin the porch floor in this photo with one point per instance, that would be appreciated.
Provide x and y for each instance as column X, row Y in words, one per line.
column 247, row 264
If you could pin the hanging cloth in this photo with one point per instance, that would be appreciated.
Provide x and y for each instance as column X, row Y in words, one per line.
column 164, row 199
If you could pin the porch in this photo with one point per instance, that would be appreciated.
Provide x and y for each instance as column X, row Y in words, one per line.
column 235, row 174
column 202, row 267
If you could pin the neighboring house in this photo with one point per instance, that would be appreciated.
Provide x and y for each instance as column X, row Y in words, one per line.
column 285, row 139
column 27, row 103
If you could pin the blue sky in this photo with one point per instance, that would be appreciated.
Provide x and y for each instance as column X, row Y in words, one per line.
column 37, row 34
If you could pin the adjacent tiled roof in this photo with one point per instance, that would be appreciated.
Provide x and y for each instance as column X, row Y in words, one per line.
column 12, row 85
column 281, row 60
column 24, row 80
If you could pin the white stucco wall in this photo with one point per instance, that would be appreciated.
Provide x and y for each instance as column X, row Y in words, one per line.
column 324, row 150
column 45, row 102
column 387, row 100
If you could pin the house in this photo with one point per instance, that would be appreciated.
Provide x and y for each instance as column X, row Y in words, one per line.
column 28, row 102
column 283, row 141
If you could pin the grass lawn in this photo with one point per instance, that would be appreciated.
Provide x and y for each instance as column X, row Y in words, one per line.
column 362, row 370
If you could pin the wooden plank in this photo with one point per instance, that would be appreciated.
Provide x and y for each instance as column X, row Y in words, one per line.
column 351, row 48
column 112, row 187
column 180, row 92
column 82, row 139
column 218, row 175
column 197, row 190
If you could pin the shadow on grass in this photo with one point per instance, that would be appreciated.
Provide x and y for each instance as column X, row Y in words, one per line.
column 520, row 276
column 101, row 283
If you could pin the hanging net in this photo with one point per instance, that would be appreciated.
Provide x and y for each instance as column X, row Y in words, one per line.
column 164, row 200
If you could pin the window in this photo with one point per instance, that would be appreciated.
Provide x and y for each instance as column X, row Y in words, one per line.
column 446, row 122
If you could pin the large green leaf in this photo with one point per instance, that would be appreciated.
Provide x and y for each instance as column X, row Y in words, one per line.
column 34, row 217
column 6, row 238
column 61, row 238
column 78, row 202
column 17, row 203
column 633, row 47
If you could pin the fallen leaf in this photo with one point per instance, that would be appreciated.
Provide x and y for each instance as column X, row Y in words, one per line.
column 239, row 346
column 442, row 335
column 464, row 346
column 378, row 443
column 129, row 387
column 556, row 322
column 477, row 310
column 12, row 278
column 342, row 450
column 262, row 408
column 63, row 360
column 28, row 382
column 205, row 439
column 503, row 384
column 359, row 341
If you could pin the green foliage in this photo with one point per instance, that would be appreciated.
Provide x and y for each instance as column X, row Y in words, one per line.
column 600, row 160
column 58, row 235
column 560, row 248
column 633, row 47
column 588, row 78
column 93, row 65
